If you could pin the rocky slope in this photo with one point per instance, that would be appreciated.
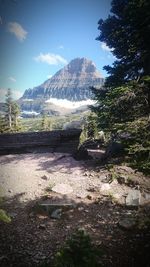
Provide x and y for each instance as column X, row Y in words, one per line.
column 71, row 82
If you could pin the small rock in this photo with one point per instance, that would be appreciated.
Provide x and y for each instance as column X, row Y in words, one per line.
column 42, row 217
column 133, row 198
column 42, row 226
column 105, row 187
column 44, row 177
column 96, row 201
column 82, row 195
column 10, row 191
column 12, row 214
column 78, row 196
column 122, row 179
column 126, row 169
column 86, row 211
column 80, row 208
column 91, row 189
column 56, row 214
column 127, row 223
column 145, row 199
column 114, row 182
column 62, row 189
column 89, row 197
column 82, row 154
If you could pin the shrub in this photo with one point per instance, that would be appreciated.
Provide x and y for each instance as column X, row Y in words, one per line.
column 78, row 252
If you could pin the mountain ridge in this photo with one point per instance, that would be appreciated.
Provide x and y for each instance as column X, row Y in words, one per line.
column 71, row 82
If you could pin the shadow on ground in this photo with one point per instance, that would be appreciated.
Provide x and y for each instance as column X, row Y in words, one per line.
column 33, row 236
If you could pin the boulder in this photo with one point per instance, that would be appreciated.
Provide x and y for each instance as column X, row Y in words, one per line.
column 133, row 198
column 63, row 189
column 114, row 149
column 145, row 199
column 92, row 144
column 82, row 154
column 56, row 214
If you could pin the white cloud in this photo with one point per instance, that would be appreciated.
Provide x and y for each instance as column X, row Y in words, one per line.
column 51, row 59
column 49, row 76
column 12, row 79
column 105, row 47
column 60, row 47
column 15, row 94
column 16, row 29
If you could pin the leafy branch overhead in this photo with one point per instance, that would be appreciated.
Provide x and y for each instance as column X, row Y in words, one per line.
column 123, row 105
column 126, row 31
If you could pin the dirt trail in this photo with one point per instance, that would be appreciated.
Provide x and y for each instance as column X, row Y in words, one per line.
column 32, row 238
column 30, row 174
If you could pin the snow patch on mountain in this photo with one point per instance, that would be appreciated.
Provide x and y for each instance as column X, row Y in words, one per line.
column 30, row 112
column 64, row 103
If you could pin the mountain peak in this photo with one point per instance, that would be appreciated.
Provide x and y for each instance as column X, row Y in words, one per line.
column 82, row 65
column 71, row 82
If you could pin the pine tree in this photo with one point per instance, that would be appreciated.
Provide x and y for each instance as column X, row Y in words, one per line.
column 123, row 105
column 12, row 112
column 46, row 124
column 126, row 31
column 8, row 105
column 15, row 115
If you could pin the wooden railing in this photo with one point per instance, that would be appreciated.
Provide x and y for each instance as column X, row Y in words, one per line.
column 65, row 141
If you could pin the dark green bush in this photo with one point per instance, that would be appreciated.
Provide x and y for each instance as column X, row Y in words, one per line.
column 78, row 252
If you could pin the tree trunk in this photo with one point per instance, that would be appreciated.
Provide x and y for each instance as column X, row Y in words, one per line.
column 9, row 117
column 147, row 66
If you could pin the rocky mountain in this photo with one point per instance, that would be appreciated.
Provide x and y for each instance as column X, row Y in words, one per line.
column 71, row 83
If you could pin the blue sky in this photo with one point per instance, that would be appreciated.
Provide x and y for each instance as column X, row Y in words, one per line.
column 38, row 37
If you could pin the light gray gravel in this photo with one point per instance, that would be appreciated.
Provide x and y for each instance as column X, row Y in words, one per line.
column 30, row 174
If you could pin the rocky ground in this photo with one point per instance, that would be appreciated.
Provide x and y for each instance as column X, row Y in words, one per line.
column 48, row 196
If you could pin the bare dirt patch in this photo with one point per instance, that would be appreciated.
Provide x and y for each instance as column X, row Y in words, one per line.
column 97, row 206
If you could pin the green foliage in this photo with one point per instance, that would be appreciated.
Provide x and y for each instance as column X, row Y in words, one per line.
column 4, row 217
column 124, row 113
column 124, row 103
column 92, row 130
column 139, row 147
column 2, row 124
column 46, row 124
column 51, row 122
column 78, row 252
column 126, row 31
column 10, row 122
column 83, row 136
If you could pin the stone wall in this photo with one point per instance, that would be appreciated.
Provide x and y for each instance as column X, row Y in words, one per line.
column 65, row 141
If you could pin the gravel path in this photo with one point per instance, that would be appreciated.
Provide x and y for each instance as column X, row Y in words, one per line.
column 31, row 174
column 31, row 237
